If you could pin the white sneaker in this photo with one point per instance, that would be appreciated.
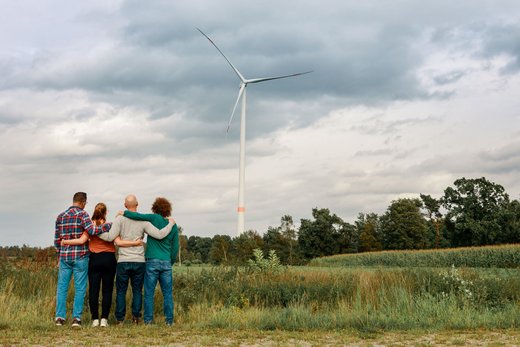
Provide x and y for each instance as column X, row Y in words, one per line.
column 104, row 322
column 95, row 323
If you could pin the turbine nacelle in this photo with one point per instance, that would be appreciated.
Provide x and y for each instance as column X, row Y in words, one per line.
column 243, row 81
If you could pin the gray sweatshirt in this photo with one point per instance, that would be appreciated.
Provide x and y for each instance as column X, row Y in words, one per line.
column 130, row 230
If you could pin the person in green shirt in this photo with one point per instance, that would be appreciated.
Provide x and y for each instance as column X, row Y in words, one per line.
column 160, row 256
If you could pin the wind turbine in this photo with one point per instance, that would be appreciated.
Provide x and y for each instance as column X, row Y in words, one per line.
column 242, row 94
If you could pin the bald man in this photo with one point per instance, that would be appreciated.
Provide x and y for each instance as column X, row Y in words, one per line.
column 131, row 262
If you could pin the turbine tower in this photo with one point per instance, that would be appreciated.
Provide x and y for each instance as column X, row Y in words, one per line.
column 242, row 94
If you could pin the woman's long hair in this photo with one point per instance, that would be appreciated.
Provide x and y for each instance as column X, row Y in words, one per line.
column 100, row 213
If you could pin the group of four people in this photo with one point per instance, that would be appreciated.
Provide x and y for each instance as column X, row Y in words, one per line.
column 86, row 248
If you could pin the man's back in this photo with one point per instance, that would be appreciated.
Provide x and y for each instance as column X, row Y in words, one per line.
column 70, row 225
column 165, row 248
column 130, row 230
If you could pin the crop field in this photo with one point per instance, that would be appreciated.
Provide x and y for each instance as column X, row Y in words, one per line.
column 505, row 256
column 315, row 305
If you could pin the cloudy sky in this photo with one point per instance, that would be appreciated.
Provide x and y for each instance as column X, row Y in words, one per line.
column 119, row 97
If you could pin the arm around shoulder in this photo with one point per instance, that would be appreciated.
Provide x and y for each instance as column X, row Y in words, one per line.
column 139, row 216
column 151, row 230
column 114, row 231
column 76, row 242
column 127, row 243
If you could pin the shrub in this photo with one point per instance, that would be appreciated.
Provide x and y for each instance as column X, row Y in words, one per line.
column 271, row 264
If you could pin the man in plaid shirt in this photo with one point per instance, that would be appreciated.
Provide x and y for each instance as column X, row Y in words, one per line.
column 73, row 260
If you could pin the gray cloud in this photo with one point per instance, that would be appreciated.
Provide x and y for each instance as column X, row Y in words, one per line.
column 503, row 40
column 500, row 161
column 378, row 125
column 159, row 59
column 154, row 59
column 449, row 77
column 119, row 97
column 484, row 39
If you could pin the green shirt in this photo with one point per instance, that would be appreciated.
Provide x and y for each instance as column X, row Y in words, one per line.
column 165, row 249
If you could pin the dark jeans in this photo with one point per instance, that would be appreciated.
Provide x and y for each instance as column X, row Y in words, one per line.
column 133, row 272
column 101, row 273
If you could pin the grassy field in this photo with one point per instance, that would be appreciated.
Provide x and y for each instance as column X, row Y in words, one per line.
column 296, row 306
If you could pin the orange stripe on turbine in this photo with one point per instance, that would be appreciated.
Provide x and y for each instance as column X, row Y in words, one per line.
column 241, row 209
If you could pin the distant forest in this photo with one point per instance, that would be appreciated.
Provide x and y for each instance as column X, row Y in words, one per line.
column 472, row 212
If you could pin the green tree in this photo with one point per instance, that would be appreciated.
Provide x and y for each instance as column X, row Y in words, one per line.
column 289, row 234
column 436, row 223
column 348, row 238
column 369, row 232
column 367, row 239
column 274, row 240
column 199, row 248
column 474, row 209
column 509, row 219
column 403, row 226
column 283, row 241
column 183, row 247
column 244, row 244
column 220, row 247
column 320, row 237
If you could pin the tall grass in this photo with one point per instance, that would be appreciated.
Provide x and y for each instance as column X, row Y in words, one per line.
column 506, row 256
column 27, row 292
column 407, row 313
column 389, row 299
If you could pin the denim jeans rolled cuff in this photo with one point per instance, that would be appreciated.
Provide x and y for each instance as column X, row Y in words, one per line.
column 133, row 273
column 77, row 269
column 158, row 270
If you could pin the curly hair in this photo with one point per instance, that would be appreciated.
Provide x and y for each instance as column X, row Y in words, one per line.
column 162, row 206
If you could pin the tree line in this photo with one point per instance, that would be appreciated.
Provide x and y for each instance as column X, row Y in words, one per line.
column 472, row 212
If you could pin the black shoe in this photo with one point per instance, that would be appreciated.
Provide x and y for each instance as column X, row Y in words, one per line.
column 76, row 323
column 135, row 320
column 60, row 322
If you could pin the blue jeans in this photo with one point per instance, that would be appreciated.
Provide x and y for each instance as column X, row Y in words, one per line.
column 125, row 272
column 68, row 268
column 158, row 270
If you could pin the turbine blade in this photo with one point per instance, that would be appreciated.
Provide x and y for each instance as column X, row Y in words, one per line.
column 256, row 80
column 229, row 62
column 240, row 92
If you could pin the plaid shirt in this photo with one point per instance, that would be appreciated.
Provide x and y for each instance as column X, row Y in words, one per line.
column 70, row 225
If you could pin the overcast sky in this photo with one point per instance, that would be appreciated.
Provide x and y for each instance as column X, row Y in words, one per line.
column 119, row 97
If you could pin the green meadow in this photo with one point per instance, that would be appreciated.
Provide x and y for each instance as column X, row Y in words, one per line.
column 333, row 300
